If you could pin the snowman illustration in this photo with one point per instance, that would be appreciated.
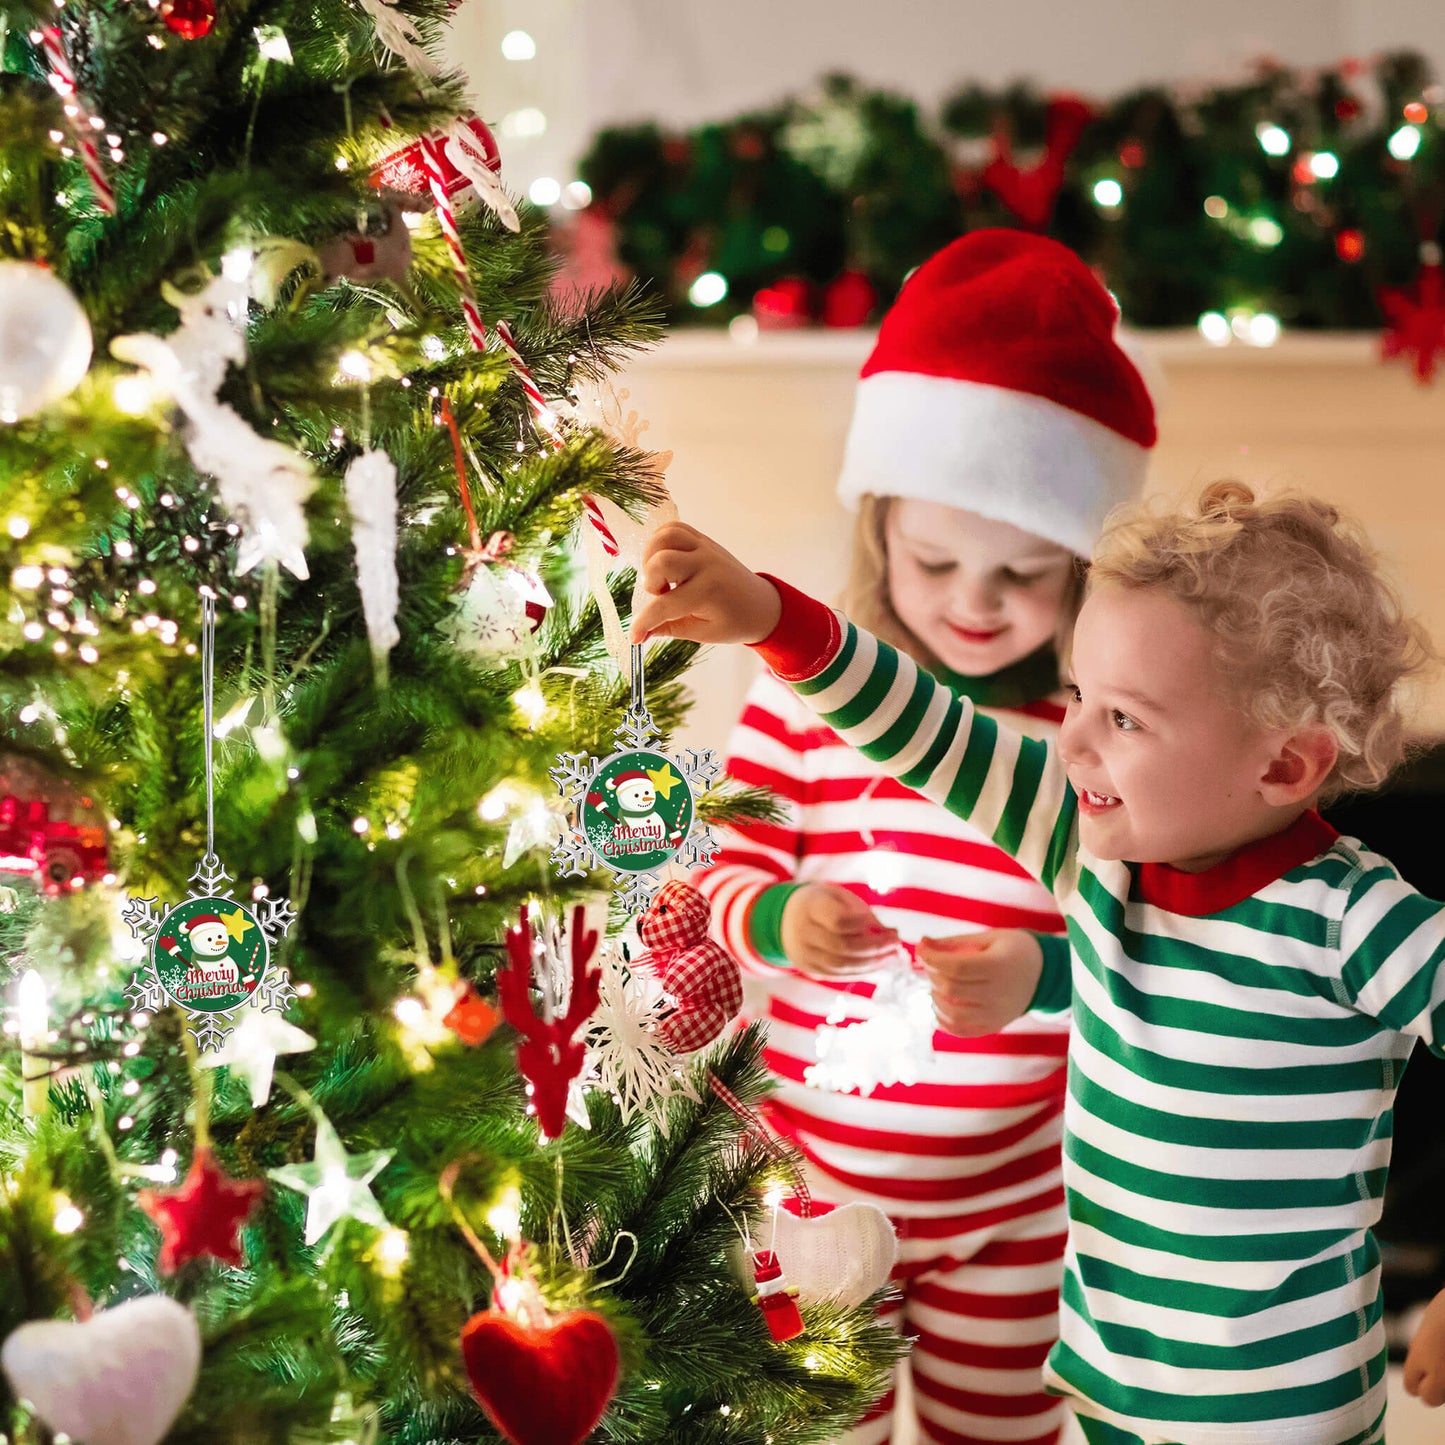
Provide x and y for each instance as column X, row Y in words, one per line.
column 209, row 941
column 637, row 821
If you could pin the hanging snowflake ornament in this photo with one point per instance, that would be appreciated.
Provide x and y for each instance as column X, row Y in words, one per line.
column 209, row 954
column 626, row 1056
column 634, row 811
column 882, row 1049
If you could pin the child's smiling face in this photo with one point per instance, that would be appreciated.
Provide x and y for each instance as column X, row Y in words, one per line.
column 1167, row 765
column 979, row 594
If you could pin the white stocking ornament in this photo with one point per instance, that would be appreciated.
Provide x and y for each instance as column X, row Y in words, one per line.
column 118, row 1378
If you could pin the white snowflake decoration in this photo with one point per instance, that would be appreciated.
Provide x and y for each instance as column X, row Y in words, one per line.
column 624, row 1057
column 884, row 1048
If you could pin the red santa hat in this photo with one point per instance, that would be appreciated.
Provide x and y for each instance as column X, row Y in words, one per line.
column 997, row 386
column 201, row 918
column 633, row 776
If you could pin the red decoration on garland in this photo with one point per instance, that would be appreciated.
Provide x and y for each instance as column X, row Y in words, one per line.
column 1350, row 245
column 544, row 1384
column 204, row 1215
column 849, row 301
column 1030, row 194
column 1416, row 316
column 471, row 1018
column 698, row 973
column 549, row 1056
column 783, row 306
column 405, row 170
column 190, row 19
column 777, row 1299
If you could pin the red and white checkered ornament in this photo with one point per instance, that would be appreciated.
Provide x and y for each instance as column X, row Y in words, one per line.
column 697, row 972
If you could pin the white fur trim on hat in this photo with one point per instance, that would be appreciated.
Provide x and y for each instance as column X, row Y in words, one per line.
column 1005, row 454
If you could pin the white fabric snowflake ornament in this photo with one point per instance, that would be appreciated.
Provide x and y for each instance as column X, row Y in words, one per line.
column 884, row 1048
column 397, row 34
column 625, row 1057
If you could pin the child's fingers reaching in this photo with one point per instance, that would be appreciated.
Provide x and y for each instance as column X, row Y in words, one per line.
column 1426, row 1384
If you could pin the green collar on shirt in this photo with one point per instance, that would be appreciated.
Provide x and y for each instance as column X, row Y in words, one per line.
column 1031, row 678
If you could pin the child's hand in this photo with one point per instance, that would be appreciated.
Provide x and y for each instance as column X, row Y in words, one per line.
column 1425, row 1363
column 832, row 933
column 701, row 592
column 981, row 981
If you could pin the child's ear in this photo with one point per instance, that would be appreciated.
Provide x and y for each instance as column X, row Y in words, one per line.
column 1299, row 766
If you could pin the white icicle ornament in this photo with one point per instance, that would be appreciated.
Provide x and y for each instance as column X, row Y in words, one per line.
column 118, row 1378
column 371, row 496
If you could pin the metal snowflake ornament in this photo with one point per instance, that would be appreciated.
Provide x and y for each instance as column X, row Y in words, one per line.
column 210, row 955
column 634, row 811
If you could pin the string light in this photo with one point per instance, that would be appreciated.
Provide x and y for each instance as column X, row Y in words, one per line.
column 1273, row 140
column 708, row 289
column 1404, row 142
column 518, row 45
column 18, row 527
column 67, row 1217
column 1108, row 193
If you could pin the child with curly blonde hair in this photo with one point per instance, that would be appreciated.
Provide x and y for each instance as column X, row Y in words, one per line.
column 1246, row 984
column 996, row 424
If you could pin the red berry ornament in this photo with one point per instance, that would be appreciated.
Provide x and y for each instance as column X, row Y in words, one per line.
column 190, row 19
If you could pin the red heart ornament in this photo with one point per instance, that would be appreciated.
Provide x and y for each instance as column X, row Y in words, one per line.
column 541, row 1386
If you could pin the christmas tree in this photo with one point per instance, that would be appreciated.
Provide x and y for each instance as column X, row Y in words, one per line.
column 292, row 454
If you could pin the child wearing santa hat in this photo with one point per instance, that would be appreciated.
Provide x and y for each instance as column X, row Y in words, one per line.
column 996, row 423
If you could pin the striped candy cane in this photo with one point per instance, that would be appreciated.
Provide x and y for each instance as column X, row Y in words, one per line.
column 62, row 78
column 548, row 419
column 477, row 330
column 448, row 220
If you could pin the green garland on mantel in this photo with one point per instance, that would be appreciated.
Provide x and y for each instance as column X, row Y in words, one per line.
column 1289, row 198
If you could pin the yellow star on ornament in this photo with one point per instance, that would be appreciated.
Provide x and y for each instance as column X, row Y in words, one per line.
column 236, row 924
column 664, row 780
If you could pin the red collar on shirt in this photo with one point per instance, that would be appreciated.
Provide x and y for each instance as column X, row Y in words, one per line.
column 1240, row 875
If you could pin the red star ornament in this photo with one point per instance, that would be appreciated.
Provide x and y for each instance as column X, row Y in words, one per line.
column 1417, row 320
column 203, row 1216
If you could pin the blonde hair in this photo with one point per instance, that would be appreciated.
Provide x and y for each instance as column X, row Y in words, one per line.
column 1303, row 621
column 868, row 602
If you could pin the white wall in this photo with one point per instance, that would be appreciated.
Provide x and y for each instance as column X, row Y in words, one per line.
column 684, row 61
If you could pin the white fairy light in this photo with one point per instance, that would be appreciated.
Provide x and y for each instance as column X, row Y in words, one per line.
column 1273, row 139
column 518, row 45
column 67, row 1218
column 1404, row 143
column 1108, row 193
column 355, row 365
column 708, row 289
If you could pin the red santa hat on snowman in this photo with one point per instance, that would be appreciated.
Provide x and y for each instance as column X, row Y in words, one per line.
column 997, row 385
column 191, row 924
column 630, row 779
